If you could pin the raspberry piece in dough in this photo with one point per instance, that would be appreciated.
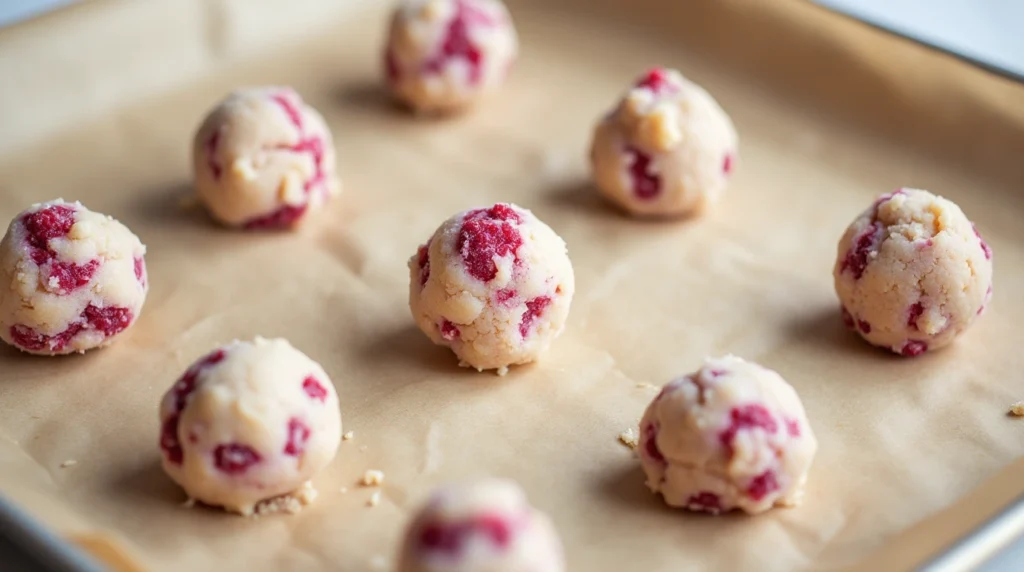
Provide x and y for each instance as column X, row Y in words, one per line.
column 264, row 160
column 70, row 279
column 667, row 149
column 247, row 423
column 912, row 272
column 444, row 55
column 482, row 525
column 732, row 435
column 493, row 284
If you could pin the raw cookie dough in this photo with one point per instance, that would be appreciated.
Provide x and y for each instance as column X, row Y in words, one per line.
column 666, row 149
column 72, row 279
column 443, row 55
column 494, row 284
column 485, row 525
column 263, row 159
column 732, row 435
column 912, row 273
column 249, row 422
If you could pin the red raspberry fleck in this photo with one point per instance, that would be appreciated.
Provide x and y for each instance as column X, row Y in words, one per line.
column 914, row 313
column 487, row 234
column 211, row 153
column 762, row 485
column 391, row 71
column 864, row 326
column 70, row 276
column 505, row 295
column 450, row 537
column 423, row 261
column 848, row 319
column 727, row 164
column 649, row 443
column 449, row 331
column 793, row 427
column 235, row 458
column 110, row 320
column 658, row 81
column 747, row 417
column 857, row 258
column 283, row 217
column 55, row 221
column 140, row 271
column 184, row 387
column 913, row 348
column 458, row 44
column 314, row 389
column 716, row 373
column 534, row 309
column 298, row 436
column 984, row 245
column 646, row 184
column 705, row 502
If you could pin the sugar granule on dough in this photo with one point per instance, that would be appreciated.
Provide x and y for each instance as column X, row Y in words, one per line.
column 372, row 478
column 630, row 438
column 1017, row 409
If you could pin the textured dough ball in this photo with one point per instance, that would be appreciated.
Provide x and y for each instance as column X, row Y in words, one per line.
column 485, row 525
column 731, row 435
column 72, row 279
column 263, row 159
column 912, row 273
column 443, row 55
column 494, row 284
column 666, row 149
column 249, row 422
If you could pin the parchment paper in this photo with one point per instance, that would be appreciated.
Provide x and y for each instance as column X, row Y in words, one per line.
column 99, row 102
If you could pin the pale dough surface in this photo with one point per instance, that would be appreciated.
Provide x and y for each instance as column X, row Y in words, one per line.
column 70, row 279
column 732, row 435
column 912, row 272
column 666, row 149
column 262, row 158
column 249, row 422
column 485, row 525
column 493, row 284
column 444, row 55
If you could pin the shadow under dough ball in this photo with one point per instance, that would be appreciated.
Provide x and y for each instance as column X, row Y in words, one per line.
column 72, row 279
column 912, row 272
column 263, row 159
column 666, row 149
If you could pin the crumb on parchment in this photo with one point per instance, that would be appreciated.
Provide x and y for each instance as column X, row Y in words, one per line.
column 372, row 478
column 630, row 438
column 645, row 385
column 291, row 503
column 68, row 463
column 374, row 499
column 1017, row 409
column 379, row 562
column 348, row 436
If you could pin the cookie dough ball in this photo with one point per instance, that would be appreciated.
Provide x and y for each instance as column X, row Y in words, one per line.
column 485, row 525
column 732, row 435
column 443, row 55
column 263, row 159
column 912, row 273
column 667, row 149
column 494, row 284
column 247, row 423
column 70, row 279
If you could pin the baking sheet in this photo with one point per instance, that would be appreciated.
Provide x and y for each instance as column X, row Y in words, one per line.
column 830, row 113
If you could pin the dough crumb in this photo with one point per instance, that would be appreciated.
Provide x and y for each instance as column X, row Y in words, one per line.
column 1017, row 409
column 291, row 503
column 630, row 438
column 645, row 385
column 344, row 490
column 374, row 499
column 372, row 478
column 68, row 463
column 348, row 436
column 379, row 562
